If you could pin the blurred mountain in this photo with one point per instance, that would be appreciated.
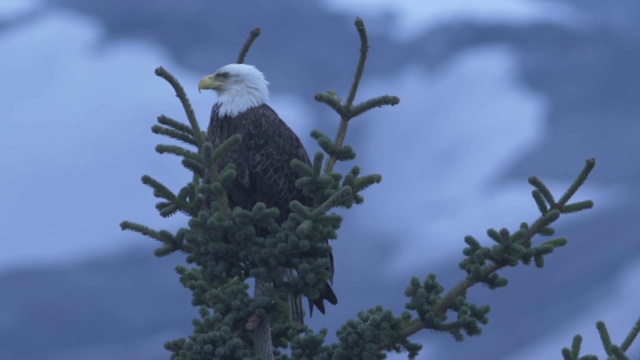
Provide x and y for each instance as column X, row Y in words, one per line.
column 120, row 307
column 125, row 305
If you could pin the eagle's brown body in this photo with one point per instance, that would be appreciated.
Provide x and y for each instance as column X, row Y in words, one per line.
column 262, row 163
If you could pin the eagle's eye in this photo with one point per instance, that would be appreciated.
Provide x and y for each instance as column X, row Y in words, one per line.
column 223, row 76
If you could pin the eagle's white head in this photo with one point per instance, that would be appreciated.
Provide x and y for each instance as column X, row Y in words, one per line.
column 239, row 88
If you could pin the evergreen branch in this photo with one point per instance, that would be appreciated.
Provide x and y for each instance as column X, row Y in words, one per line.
column 223, row 243
column 358, row 184
column 170, row 243
column 494, row 235
column 226, row 250
column 364, row 182
column 209, row 161
column 617, row 354
column 577, row 183
column 178, row 135
column 346, row 110
column 198, row 135
column 184, row 100
column 575, row 346
column 604, row 336
column 301, row 168
column 345, row 153
column 313, row 181
column 342, row 133
column 325, row 143
column 186, row 195
column 364, row 48
column 141, row 229
column 253, row 35
column 166, row 209
column 511, row 249
column 178, row 151
column 227, row 175
column 542, row 188
column 335, row 200
column 224, row 148
column 174, row 124
column 555, row 242
column 632, row 335
column 159, row 190
column 332, row 100
column 174, row 202
column 209, row 155
column 540, row 201
column 575, row 207
column 317, row 164
column 545, row 220
column 613, row 351
column 379, row 101
column 194, row 166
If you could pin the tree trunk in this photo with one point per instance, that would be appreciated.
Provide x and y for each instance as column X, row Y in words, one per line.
column 263, row 347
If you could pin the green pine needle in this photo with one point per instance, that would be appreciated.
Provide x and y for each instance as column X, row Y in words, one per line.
column 194, row 166
column 175, row 124
column 331, row 99
column 301, row 168
column 253, row 35
column 494, row 235
column 604, row 336
column 144, row 230
column 539, row 199
column 186, row 104
column 181, row 136
column 632, row 335
column 380, row 101
column 334, row 201
column 578, row 206
column 577, row 183
column 226, row 146
column 159, row 190
column 542, row 188
column 178, row 151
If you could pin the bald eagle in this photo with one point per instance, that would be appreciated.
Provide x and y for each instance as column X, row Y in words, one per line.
column 262, row 160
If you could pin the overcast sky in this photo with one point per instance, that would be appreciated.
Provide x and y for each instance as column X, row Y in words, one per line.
column 73, row 82
column 68, row 186
column 68, row 109
column 413, row 17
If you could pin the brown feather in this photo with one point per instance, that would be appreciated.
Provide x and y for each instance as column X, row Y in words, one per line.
column 262, row 162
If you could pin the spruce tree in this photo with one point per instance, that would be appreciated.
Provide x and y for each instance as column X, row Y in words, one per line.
column 224, row 255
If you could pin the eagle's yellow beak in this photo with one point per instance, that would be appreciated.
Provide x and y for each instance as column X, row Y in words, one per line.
column 209, row 82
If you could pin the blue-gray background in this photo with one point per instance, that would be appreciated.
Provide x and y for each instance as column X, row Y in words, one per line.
column 492, row 92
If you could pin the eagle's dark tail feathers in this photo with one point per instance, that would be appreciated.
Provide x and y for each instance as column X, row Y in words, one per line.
column 326, row 294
